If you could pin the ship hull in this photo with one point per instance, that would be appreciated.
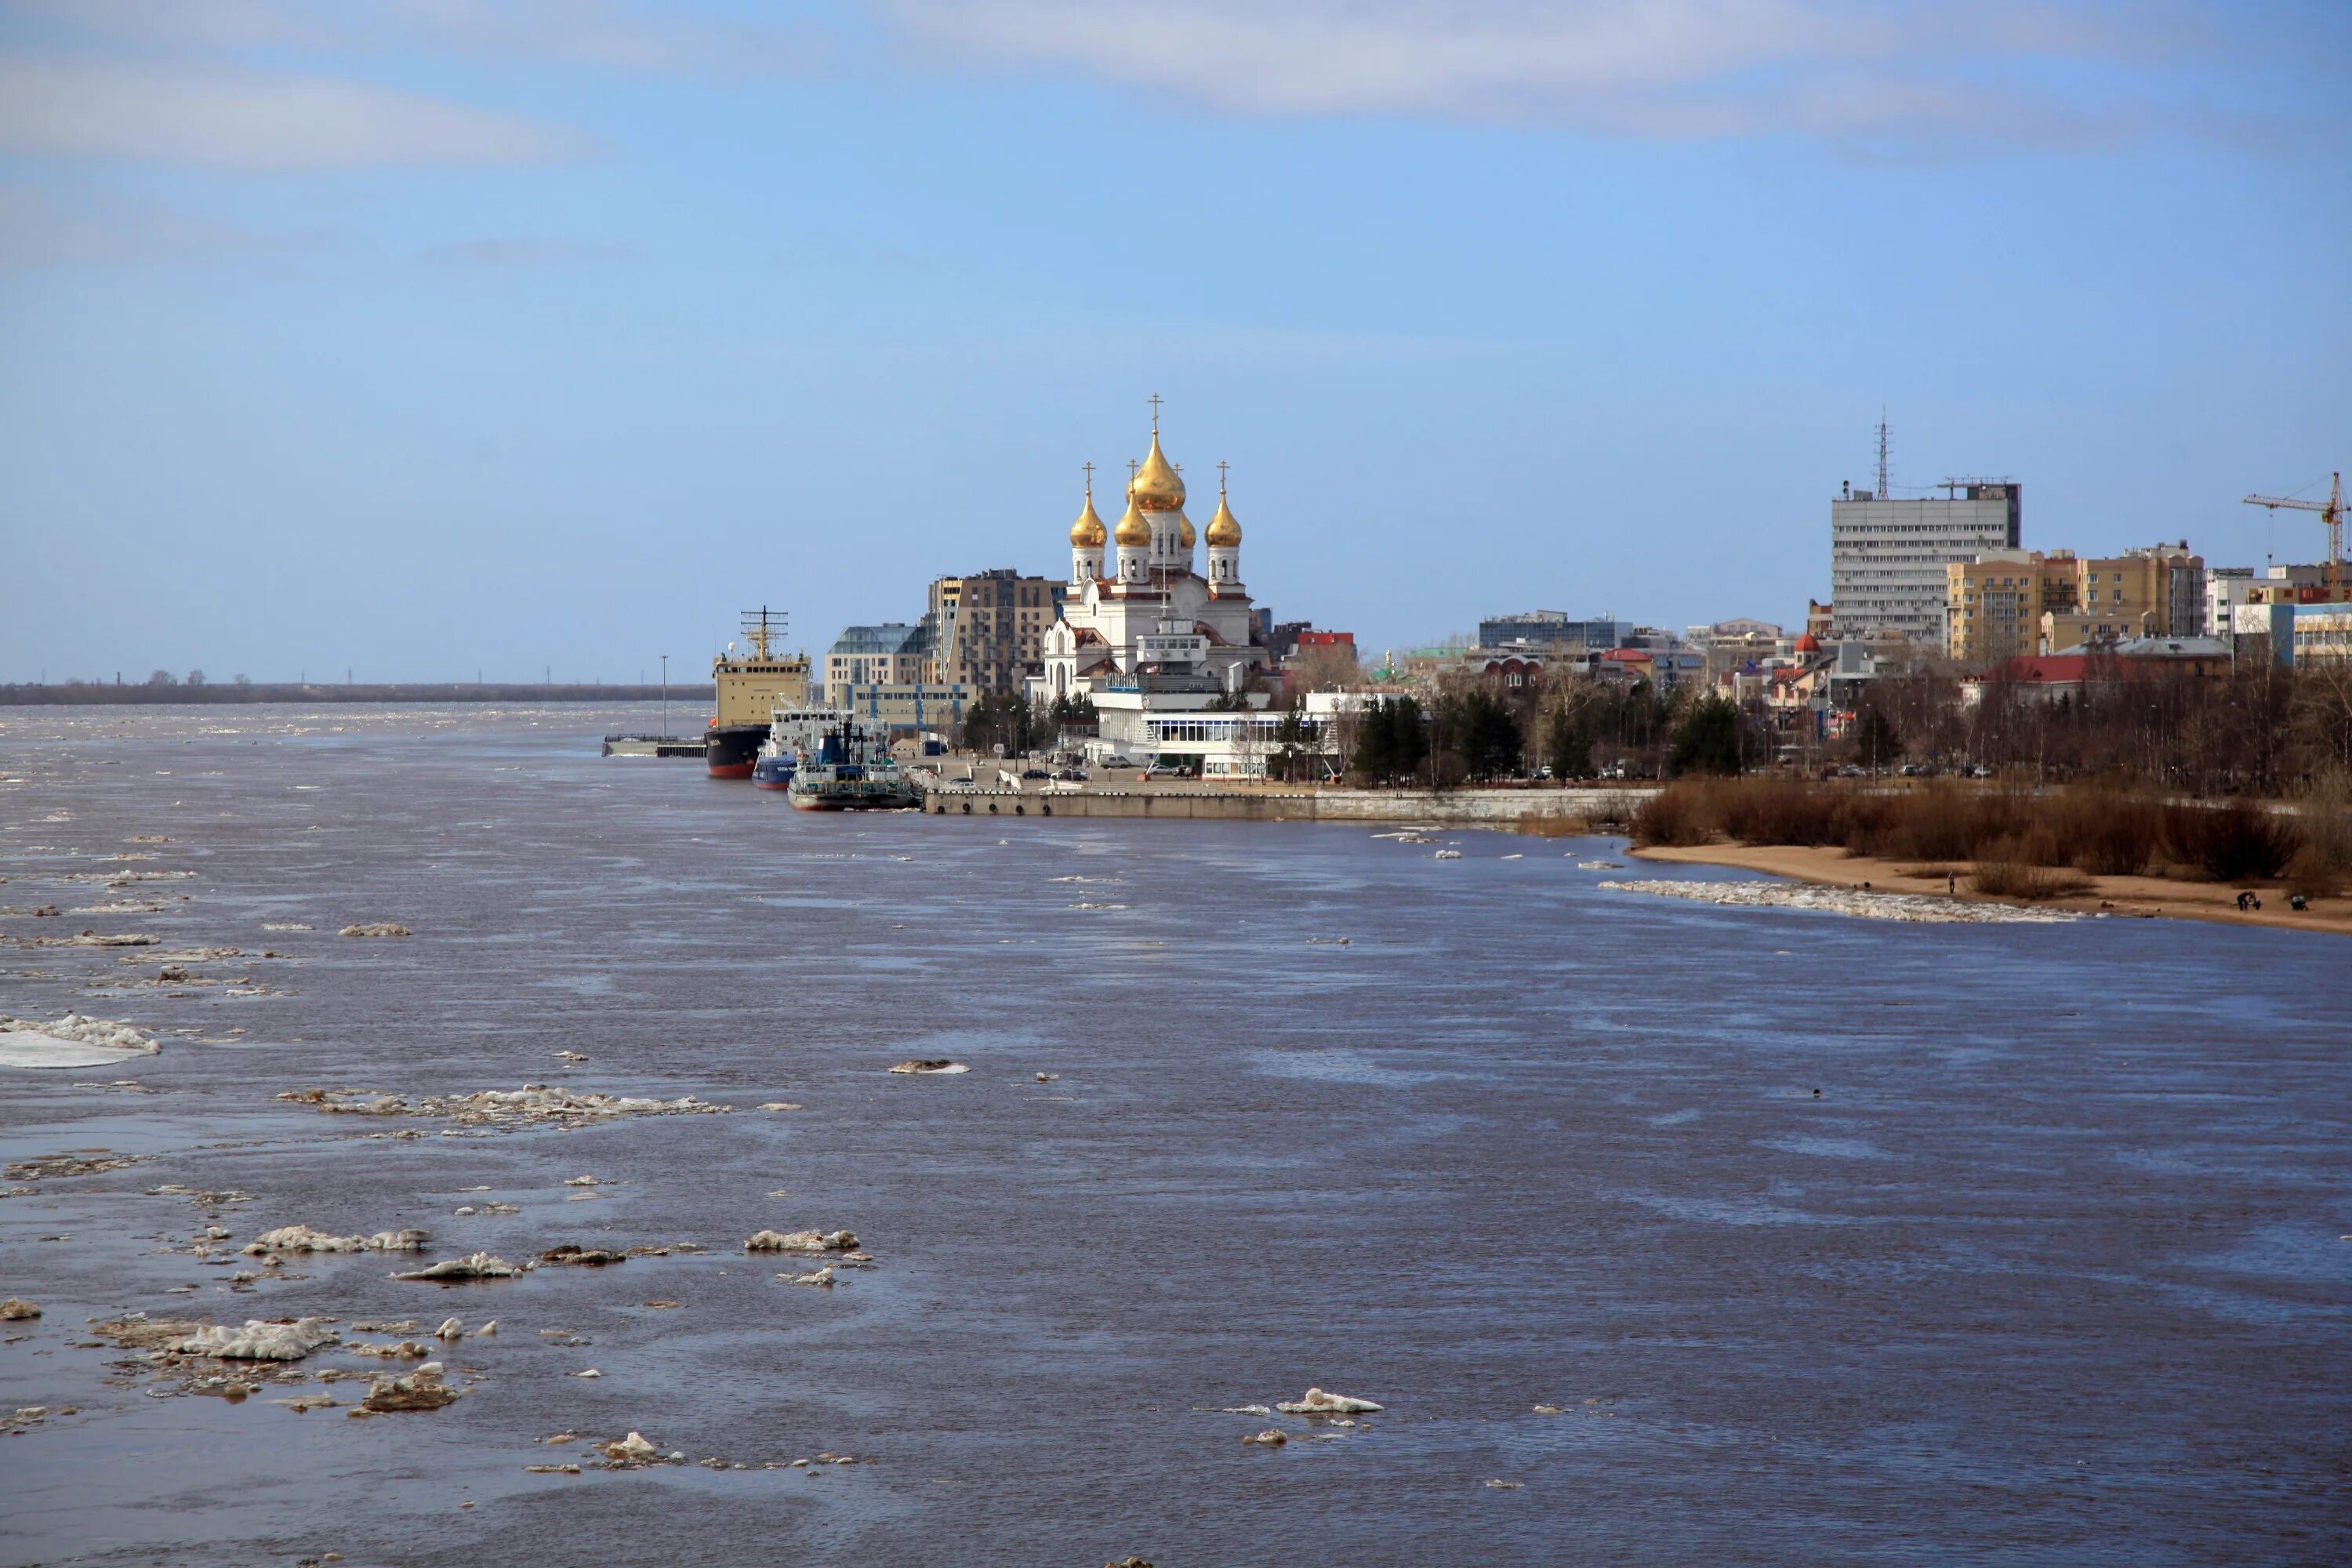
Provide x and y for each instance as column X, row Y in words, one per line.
column 732, row 749
column 773, row 772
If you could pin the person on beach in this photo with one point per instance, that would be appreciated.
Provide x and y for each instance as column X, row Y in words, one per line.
column 1952, row 883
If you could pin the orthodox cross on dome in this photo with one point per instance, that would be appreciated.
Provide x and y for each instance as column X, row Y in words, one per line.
column 1222, row 466
column 1154, row 401
column 1132, row 464
column 1089, row 468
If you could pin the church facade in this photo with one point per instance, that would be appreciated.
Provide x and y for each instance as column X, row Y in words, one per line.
column 1162, row 644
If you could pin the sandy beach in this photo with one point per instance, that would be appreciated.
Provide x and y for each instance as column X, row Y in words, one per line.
column 2139, row 896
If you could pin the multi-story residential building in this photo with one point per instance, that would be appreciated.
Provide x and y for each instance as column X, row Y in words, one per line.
column 2158, row 592
column 1887, row 557
column 891, row 654
column 988, row 630
column 1994, row 605
column 2007, row 603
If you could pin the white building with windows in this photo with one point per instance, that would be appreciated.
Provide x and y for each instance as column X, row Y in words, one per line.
column 1887, row 557
column 1162, row 646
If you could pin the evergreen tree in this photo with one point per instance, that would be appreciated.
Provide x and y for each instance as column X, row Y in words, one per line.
column 1707, row 741
column 1875, row 744
column 1490, row 740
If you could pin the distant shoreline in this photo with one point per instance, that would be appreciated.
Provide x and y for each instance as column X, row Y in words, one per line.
column 31, row 695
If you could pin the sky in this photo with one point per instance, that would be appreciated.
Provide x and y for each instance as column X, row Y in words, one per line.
column 431, row 339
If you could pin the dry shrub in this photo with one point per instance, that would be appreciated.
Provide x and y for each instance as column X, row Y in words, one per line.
column 2104, row 831
column 2019, row 879
column 1776, row 811
column 2324, row 864
column 2231, row 843
column 1675, row 815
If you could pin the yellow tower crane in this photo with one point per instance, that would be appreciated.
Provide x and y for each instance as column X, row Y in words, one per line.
column 2331, row 512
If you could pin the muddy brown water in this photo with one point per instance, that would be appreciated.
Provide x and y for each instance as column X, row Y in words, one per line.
column 2053, row 1269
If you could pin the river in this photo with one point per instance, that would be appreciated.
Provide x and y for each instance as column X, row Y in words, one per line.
column 1815, row 1239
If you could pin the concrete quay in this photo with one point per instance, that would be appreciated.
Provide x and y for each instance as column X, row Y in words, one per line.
column 1565, row 808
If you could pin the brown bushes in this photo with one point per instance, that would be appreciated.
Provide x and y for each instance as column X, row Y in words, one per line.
column 2015, row 880
column 2095, row 828
column 1675, row 815
column 2231, row 843
column 1778, row 811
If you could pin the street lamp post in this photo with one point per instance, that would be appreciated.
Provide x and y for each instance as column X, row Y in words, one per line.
column 665, row 723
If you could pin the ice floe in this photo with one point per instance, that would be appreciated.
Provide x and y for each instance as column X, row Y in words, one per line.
column 72, row 1041
column 1913, row 907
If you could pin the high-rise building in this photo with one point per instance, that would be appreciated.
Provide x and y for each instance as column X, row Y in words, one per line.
column 1887, row 557
column 987, row 630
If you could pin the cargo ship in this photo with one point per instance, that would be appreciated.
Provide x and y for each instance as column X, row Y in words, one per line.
column 850, row 768
column 750, row 689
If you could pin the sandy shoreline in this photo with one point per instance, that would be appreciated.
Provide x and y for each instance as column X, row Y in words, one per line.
column 2131, row 896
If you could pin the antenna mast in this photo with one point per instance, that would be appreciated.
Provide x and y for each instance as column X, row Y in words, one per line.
column 1882, row 456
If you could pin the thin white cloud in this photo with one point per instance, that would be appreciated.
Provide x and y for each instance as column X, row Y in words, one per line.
column 526, row 251
column 1936, row 74
column 636, row 36
column 90, row 108
column 38, row 228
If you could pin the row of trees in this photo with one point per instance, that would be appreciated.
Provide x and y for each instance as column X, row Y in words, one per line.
column 1012, row 721
column 2260, row 729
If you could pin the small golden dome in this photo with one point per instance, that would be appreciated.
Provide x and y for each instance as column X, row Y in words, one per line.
column 1133, row 529
column 1184, row 535
column 1087, row 533
column 1157, row 486
column 1224, row 532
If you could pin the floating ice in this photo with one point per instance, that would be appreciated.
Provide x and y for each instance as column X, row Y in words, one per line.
column 72, row 1041
column 258, row 1340
column 802, row 1241
column 1913, row 907
column 1317, row 1403
column 930, row 1065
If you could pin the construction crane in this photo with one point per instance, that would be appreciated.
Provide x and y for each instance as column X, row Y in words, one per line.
column 2331, row 512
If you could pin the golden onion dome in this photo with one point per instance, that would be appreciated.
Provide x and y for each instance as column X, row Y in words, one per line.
column 1224, row 532
column 1133, row 529
column 1087, row 533
column 1157, row 486
column 1184, row 535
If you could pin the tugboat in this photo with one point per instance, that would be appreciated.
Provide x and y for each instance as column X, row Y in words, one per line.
column 850, row 769
column 749, row 688
column 792, row 731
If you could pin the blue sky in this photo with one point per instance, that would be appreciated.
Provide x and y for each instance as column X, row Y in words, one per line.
column 425, row 337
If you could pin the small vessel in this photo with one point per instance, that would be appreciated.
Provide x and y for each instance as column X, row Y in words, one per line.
column 792, row 729
column 850, row 768
column 748, row 688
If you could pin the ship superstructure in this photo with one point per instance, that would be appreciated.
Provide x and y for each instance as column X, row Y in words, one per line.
column 750, row 685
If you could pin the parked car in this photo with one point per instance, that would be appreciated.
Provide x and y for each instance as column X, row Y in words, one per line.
column 1168, row 770
column 1034, row 773
column 1072, row 775
column 1118, row 761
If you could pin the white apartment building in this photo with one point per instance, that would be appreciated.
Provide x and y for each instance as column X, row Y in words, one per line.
column 1887, row 557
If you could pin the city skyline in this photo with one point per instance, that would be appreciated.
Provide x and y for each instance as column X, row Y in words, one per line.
column 425, row 339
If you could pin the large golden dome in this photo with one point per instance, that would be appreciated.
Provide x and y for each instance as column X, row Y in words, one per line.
column 1184, row 535
column 1157, row 486
column 1224, row 532
column 1133, row 529
column 1087, row 533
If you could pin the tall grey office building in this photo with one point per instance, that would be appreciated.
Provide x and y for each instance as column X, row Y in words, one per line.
column 1887, row 557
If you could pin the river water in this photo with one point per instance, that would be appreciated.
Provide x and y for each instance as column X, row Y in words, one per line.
column 2055, row 1268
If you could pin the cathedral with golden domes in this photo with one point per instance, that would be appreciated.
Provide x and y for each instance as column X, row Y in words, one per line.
column 1141, row 617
